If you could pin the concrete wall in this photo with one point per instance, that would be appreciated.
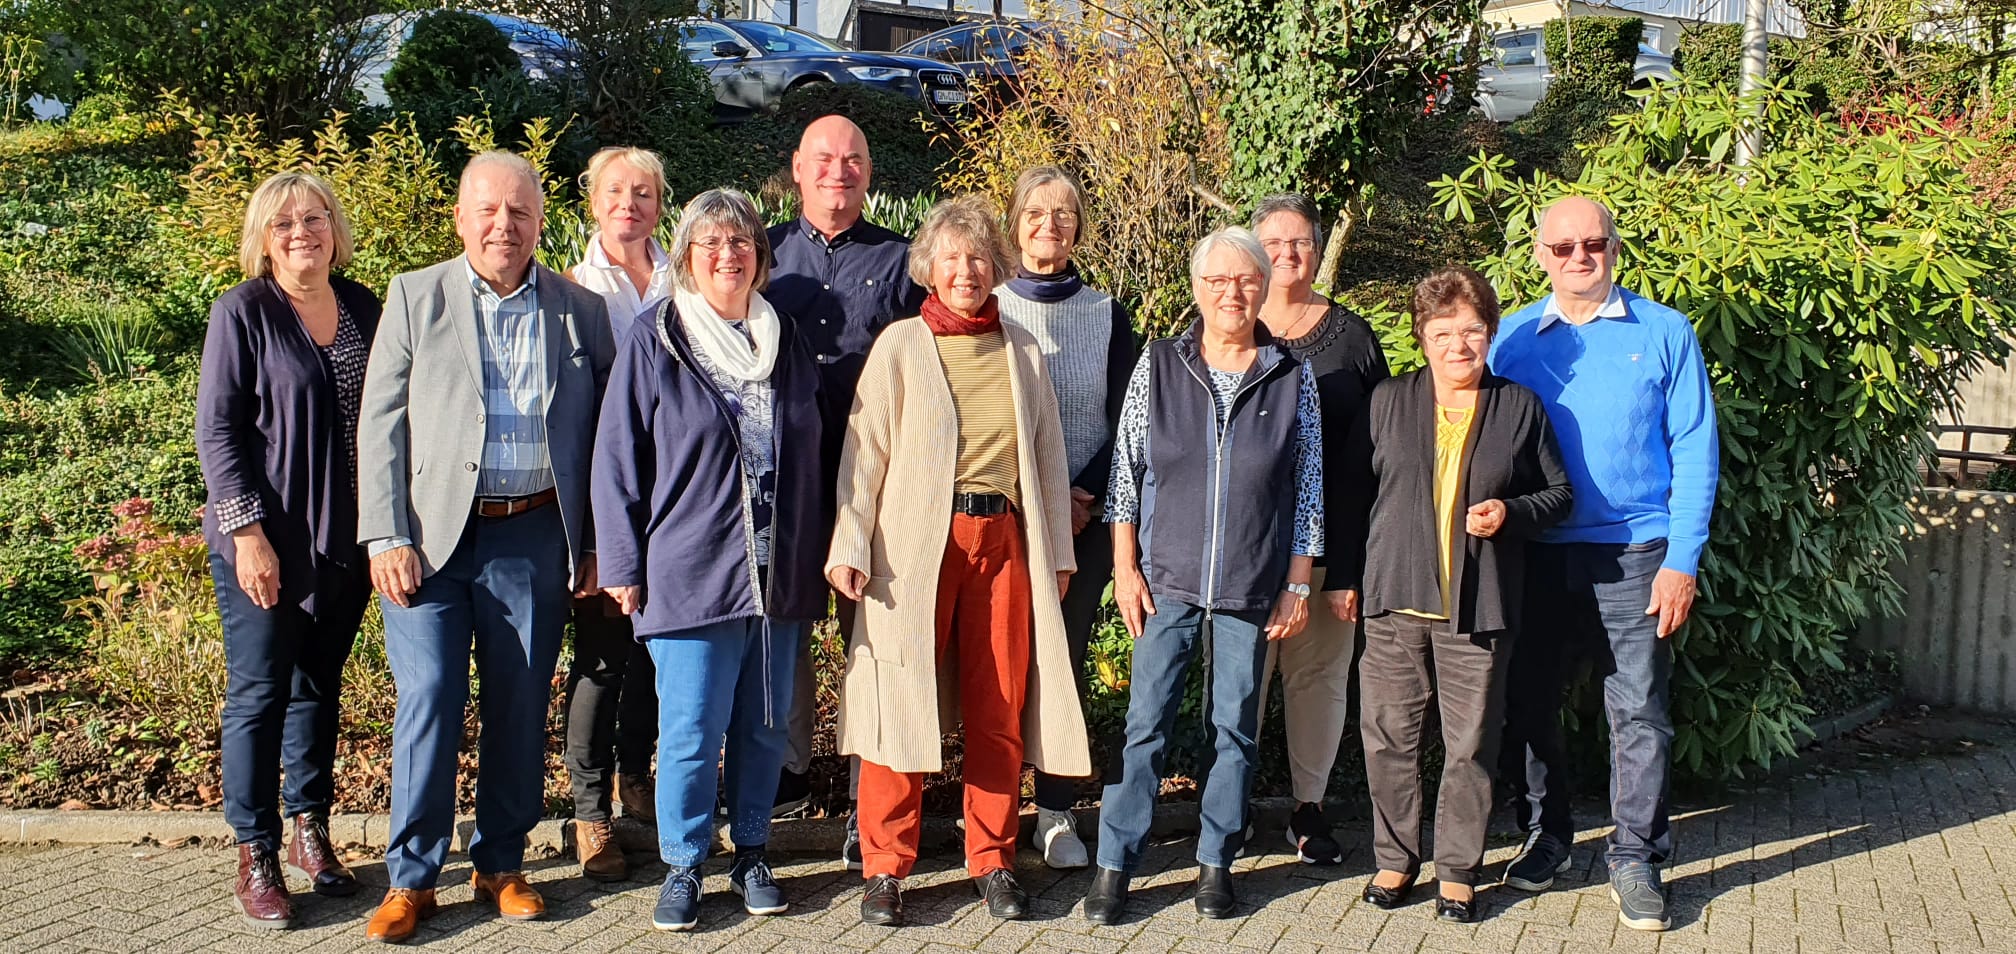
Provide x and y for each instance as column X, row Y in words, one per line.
column 1956, row 640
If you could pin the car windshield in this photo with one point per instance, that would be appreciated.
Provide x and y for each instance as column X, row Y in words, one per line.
column 777, row 39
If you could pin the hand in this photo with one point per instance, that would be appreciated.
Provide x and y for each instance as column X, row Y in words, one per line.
column 627, row 598
column 258, row 566
column 1343, row 604
column 1081, row 510
column 586, row 575
column 847, row 581
column 396, row 573
column 1291, row 613
column 1484, row 519
column 1672, row 599
column 1063, row 583
column 1130, row 593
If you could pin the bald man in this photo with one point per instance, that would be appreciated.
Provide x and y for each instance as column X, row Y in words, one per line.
column 1626, row 389
column 843, row 279
column 473, row 442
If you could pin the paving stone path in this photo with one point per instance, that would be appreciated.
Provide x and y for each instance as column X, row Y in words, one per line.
column 1867, row 848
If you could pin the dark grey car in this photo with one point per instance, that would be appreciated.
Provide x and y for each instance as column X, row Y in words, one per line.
column 753, row 64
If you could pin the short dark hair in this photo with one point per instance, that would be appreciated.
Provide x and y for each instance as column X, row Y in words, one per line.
column 1441, row 292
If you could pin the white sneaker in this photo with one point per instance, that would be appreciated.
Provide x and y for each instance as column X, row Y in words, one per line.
column 1057, row 836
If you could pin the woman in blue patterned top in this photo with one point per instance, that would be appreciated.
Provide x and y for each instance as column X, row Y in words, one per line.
column 276, row 431
column 1217, row 491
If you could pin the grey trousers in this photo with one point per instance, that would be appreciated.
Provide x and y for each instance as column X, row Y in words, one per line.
column 1408, row 662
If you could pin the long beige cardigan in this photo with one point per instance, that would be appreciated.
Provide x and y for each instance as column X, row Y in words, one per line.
column 895, row 511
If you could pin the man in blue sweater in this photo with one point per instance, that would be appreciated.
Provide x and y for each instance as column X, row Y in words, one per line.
column 1627, row 392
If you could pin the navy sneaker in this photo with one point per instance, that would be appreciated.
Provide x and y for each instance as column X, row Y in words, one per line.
column 1309, row 834
column 1641, row 901
column 1543, row 857
column 678, row 901
column 752, row 879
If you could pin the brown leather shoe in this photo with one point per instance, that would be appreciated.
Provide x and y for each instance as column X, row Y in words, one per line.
column 595, row 847
column 639, row 798
column 516, row 901
column 261, row 890
column 399, row 915
column 313, row 855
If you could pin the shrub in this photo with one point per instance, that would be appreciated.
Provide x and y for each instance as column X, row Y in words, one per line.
column 447, row 54
column 155, row 632
column 1594, row 53
column 1142, row 130
column 1841, row 286
column 111, row 344
column 903, row 136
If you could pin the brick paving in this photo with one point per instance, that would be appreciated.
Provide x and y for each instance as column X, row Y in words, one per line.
column 1869, row 851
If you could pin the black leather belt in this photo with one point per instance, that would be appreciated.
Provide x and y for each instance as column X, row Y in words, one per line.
column 980, row 505
column 512, row 506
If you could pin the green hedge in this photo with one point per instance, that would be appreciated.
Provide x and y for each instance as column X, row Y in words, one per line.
column 1593, row 53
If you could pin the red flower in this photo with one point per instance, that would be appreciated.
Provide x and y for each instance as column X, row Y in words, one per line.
column 94, row 548
column 134, row 507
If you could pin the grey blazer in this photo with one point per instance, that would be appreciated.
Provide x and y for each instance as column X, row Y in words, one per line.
column 420, row 434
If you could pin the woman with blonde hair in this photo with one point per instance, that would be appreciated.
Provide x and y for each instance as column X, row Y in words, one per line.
column 276, row 432
column 954, row 533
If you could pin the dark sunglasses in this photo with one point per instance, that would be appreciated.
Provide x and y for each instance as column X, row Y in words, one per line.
column 1595, row 246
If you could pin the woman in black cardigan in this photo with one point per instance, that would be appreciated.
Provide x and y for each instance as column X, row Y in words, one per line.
column 1449, row 444
column 276, row 431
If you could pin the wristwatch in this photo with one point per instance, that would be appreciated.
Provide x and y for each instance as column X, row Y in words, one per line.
column 1299, row 589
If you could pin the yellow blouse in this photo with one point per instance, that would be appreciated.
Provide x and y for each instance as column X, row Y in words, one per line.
column 1450, row 436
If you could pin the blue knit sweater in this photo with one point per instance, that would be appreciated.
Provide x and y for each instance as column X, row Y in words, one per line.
column 1630, row 402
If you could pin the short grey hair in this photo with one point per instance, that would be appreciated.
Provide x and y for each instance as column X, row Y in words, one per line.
column 1294, row 202
column 1609, row 218
column 1239, row 240
column 970, row 219
column 1037, row 178
column 500, row 158
column 716, row 208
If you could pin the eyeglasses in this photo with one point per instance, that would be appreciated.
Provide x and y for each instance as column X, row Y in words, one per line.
column 1063, row 217
column 1277, row 246
column 739, row 244
column 313, row 222
column 1474, row 335
column 1591, row 247
column 1220, row 284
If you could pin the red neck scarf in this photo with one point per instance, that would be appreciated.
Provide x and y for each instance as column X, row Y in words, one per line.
column 945, row 321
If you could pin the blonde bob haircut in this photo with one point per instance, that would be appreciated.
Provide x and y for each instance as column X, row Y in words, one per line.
column 642, row 160
column 265, row 205
column 969, row 220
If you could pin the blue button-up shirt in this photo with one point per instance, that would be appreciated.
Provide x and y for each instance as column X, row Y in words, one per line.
column 842, row 292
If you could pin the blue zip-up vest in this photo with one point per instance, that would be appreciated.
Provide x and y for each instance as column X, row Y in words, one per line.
column 1218, row 508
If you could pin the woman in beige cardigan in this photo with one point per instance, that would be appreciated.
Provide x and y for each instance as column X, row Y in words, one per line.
column 954, row 533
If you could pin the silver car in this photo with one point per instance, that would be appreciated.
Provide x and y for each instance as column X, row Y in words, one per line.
column 1517, row 75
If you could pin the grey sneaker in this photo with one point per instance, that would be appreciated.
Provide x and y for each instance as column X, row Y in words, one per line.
column 1543, row 857
column 1057, row 835
column 1641, row 901
column 850, row 850
column 752, row 879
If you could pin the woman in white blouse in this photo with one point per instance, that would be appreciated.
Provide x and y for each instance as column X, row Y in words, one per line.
column 612, row 721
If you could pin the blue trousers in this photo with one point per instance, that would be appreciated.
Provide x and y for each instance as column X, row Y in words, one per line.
column 726, row 683
column 503, row 594
column 284, row 667
column 1586, row 601
column 1162, row 657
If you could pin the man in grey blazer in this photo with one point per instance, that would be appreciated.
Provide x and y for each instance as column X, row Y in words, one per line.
column 477, row 426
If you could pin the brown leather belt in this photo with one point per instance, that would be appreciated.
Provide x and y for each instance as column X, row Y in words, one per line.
column 513, row 506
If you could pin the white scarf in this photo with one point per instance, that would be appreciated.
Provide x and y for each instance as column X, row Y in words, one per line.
column 748, row 359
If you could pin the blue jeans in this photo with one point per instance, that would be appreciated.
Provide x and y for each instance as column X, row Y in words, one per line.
column 505, row 587
column 1162, row 658
column 723, row 683
column 1587, row 601
column 284, row 668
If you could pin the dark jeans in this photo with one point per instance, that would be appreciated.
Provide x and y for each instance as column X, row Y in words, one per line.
column 503, row 595
column 1093, row 549
column 612, row 706
column 1409, row 663
column 284, row 667
column 1162, row 657
column 1586, row 601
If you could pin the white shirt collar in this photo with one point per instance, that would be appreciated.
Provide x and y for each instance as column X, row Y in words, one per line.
column 1612, row 307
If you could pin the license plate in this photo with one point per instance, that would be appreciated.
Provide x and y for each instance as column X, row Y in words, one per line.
column 948, row 96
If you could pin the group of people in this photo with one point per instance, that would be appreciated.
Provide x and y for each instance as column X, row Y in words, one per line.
column 694, row 453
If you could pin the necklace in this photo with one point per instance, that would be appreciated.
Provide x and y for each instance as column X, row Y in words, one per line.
column 1309, row 307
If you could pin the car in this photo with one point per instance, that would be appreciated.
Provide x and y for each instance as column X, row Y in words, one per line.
column 754, row 63
column 1516, row 77
column 986, row 50
column 544, row 51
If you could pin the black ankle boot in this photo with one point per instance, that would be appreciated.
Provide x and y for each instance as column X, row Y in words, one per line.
column 1214, row 892
column 1107, row 896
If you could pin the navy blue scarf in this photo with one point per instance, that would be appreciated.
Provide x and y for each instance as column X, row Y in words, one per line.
column 1048, row 289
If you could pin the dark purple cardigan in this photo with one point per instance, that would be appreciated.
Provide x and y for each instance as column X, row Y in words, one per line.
column 267, row 422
